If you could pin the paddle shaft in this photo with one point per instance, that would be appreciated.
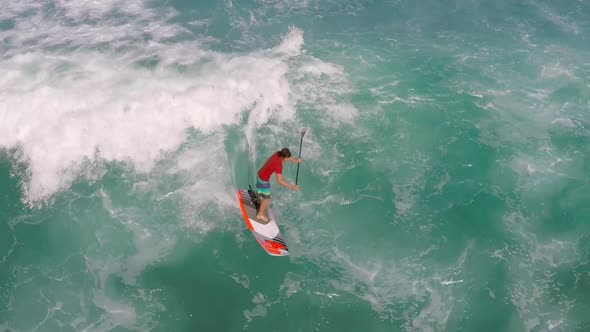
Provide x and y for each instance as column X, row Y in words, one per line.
column 299, row 163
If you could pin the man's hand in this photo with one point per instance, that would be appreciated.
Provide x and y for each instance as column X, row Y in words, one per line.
column 295, row 187
column 295, row 160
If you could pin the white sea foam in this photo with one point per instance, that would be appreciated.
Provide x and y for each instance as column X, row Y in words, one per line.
column 102, row 109
column 292, row 42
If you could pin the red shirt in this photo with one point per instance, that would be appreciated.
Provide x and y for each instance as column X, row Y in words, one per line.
column 274, row 164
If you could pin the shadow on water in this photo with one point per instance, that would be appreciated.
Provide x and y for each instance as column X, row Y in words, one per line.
column 239, row 160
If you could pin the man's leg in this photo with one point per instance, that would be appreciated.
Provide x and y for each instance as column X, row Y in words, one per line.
column 262, row 211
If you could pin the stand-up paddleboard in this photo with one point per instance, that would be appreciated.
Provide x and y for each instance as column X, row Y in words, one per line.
column 266, row 233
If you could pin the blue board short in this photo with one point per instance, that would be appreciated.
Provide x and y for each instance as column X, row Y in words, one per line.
column 262, row 187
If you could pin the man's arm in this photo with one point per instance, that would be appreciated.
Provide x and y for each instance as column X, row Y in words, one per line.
column 282, row 182
column 294, row 160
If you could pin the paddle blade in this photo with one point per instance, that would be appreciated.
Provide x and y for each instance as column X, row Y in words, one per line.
column 303, row 131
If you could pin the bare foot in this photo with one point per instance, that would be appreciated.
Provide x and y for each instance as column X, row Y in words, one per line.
column 263, row 218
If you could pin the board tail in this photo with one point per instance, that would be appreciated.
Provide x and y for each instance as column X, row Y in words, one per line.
column 267, row 234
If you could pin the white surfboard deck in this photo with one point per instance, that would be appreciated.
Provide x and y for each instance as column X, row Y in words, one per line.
column 268, row 233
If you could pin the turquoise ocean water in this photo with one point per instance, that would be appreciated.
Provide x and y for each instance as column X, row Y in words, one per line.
column 445, row 184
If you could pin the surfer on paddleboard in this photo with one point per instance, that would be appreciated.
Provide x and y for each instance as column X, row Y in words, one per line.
column 274, row 164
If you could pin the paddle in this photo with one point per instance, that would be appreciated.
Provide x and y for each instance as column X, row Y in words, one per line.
column 300, row 144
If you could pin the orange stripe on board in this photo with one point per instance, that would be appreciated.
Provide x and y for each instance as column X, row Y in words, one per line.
column 276, row 245
column 273, row 247
column 244, row 211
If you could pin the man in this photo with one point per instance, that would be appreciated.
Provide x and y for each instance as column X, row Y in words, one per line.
column 274, row 164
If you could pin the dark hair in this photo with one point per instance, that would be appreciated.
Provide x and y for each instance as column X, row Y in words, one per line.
column 284, row 153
